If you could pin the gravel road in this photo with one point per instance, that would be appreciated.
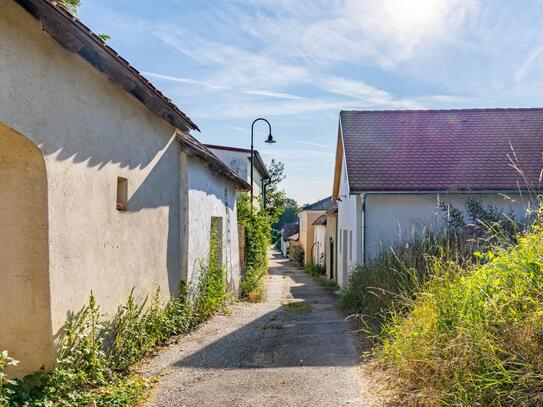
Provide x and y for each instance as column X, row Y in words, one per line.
column 267, row 354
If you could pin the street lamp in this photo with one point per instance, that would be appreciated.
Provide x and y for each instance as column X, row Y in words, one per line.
column 269, row 140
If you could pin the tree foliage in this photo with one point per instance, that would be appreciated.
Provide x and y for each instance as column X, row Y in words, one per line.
column 275, row 198
column 71, row 5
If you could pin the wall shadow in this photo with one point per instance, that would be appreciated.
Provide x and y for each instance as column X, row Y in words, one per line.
column 285, row 338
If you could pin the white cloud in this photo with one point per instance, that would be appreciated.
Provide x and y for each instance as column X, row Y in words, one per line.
column 278, row 95
column 184, row 80
column 310, row 143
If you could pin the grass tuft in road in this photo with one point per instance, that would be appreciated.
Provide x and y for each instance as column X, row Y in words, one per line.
column 298, row 307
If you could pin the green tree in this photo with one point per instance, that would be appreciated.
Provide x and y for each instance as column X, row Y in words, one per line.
column 275, row 198
column 289, row 214
column 71, row 5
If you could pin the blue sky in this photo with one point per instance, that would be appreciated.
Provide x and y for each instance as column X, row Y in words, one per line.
column 299, row 62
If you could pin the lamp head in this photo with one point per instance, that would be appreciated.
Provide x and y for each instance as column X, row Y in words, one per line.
column 270, row 139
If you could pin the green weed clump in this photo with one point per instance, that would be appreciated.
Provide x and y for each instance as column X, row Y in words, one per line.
column 319, row 272
column 257, row 241
column 474, row 335
column 93, row 367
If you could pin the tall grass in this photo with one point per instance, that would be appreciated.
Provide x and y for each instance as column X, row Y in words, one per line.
column 474, row 336
column 395, row 276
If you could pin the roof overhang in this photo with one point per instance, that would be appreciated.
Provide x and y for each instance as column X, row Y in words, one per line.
column 339, row 162
column 77, row 38
column 194, row 147
column 448, row 191
column 259, row 162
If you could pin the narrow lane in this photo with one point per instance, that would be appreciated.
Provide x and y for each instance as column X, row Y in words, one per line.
column 268, row 354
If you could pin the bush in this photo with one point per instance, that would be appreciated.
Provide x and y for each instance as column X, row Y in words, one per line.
column 296, row 254
column 257, row 241
column 95, row 357
column 474, row 335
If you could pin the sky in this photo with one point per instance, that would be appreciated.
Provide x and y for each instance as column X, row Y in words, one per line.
column 298, row 63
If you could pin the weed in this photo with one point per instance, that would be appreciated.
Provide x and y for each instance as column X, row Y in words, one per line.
column 94, row 362
column 298, row 306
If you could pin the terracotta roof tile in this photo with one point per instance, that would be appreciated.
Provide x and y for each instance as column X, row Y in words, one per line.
column 438, row 150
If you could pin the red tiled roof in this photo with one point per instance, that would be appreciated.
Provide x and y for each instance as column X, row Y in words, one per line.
column 439, row 150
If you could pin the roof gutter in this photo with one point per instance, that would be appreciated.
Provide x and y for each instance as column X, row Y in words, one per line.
column 447, row 191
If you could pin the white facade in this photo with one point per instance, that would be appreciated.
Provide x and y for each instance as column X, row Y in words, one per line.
column 394, row 218
column 319, row 245
column 349, row 227
column 240, row 162
column 210, row 199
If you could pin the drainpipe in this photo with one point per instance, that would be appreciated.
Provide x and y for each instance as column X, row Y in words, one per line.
column 363, row 228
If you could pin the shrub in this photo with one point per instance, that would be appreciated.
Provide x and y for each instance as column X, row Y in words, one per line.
column 474, row 335
column 5, row 362
column 296, row 254
column 257, row 241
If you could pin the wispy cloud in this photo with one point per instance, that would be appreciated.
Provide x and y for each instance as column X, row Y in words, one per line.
column 310, row 143
column 183, row 80
column 278, row 95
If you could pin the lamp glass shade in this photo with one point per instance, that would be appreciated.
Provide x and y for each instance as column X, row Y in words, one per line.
column 270, row 139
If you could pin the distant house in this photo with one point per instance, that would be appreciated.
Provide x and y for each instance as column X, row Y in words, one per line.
column 239, row 160
column 289, row 234
column 394, row 167
column 102, row 186
column 306, row 217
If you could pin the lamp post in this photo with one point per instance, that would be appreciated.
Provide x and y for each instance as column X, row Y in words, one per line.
column 269, row 140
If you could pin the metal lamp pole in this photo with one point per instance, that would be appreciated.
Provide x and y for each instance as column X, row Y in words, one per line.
column 270, row 140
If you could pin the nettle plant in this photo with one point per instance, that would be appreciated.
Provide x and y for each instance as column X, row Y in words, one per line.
column 95, row 359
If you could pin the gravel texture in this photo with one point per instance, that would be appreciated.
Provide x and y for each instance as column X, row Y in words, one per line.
column 266, row 354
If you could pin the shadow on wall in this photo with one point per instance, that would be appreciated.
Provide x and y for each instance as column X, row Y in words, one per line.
column 152, row 194
column 24, row 291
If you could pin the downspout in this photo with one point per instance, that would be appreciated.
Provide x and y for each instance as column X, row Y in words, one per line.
column 364, row 229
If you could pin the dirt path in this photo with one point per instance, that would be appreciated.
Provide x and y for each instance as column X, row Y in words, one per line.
column 267, row 354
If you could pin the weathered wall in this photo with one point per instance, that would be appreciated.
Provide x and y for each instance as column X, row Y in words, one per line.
column 25, row 327
column 209, row 196
column 331, row 257
column 393, row 218
column 90, row 132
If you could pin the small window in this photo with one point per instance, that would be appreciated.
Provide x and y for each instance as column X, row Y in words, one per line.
column 122, row 194
column 350, row 245
column 340, row 246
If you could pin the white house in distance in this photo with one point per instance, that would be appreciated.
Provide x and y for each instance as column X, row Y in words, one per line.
column 394, row 167
column 239, row 159
column 102, row 186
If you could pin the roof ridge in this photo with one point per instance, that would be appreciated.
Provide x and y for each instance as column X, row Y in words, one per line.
column 477, row 109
